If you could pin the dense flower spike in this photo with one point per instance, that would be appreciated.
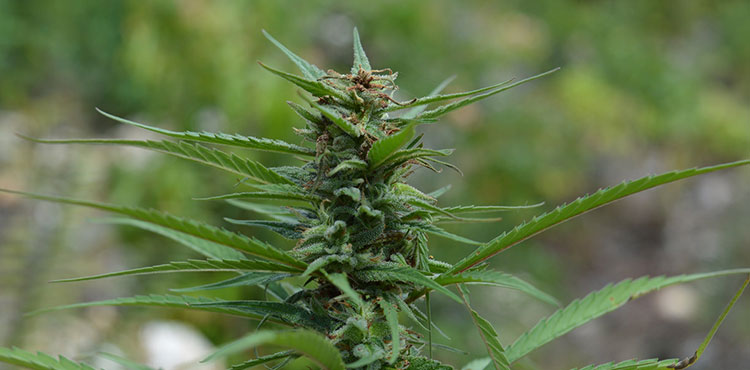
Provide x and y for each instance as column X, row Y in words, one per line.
column 360, row 233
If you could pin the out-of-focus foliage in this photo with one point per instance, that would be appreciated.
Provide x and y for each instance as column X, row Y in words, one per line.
column 646, row 86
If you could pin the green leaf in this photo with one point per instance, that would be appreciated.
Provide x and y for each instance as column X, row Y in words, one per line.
column 275, row 212
column 247, row 279
column 579, row 206
column 124, row 362
column 305, row 342
column 229, row 162
column 435, row 113
column 202, row 246
column 286, row 312
column 190, row 227
column 401, row 156
column 415, row 111
column 261, row 195
column 435, row 230
column 391, row 317
column 242, row 141
column 650, row 364
column 257, row 311
column 210, row 265
column 261, row 360
column 309, row 70
column 487, row 209
column 341, row 281
column 316, row 88
column 403, row 274
column 420, row 104
column 489, row 337
column 594, row 305
column 496, row 278
column 360, row 59
column 39, row 360
column 387, row 146
column 487, row 333
column 478, row 364
column 347, row 165
column 336, row 118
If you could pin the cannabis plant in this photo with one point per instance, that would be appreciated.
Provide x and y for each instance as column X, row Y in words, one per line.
column 354, row 290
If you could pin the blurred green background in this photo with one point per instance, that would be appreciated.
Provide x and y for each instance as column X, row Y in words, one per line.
column 645, row 87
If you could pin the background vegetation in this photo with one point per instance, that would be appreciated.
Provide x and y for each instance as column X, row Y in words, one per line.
column 645, row 87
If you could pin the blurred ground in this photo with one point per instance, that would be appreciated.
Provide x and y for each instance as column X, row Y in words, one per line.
column 645, row 87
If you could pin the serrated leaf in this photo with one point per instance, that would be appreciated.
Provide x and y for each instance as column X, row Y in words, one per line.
column 247, row 279
column 360, row 58
column 404, row 155
column 39, row 360
column 261, row 195
column 340, row 280
column 437, row 231
column 487, row 209
column 275, row 212
column 420, row 103
column 305, row 342
column 308, row 69
column 387, row 146
column 286, row 312
column 403, row 274
column 579, row 206
column 349, row 164
column 261, row 360
column 416, row 110
column 290, row 230
column 237, row 140
column 650, row 364
column 478, row 364
column 202, row 246
column 496, row 278
column 229, row 162
column 594, row 305
column 391, row 317
column 122, row 361
column 316, row 88
column 210, row 265
column 440, row 111
column 256, row 311
column 336, row 118
column 489, row 337
column 190, row 227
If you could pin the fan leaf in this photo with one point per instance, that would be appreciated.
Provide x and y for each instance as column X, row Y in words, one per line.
column 190, row 227
column 237, row 140
column 497, row 278
column 202, row 246
column 385, row 147
column 596, row 304
column 403, row 274
column 39, row 360
column 216, row 158
column 308, row 69
column 305, row 342
column 360, row 58
column 435, row 113
column 210, row 265
column 579, row 206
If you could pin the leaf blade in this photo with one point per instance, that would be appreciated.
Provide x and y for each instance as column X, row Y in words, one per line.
column 308, row 343
column 581, row 205
column 594, row 305
column 237, row 140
